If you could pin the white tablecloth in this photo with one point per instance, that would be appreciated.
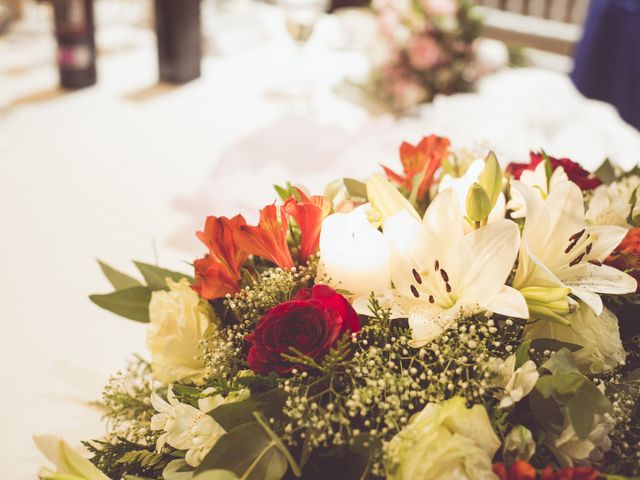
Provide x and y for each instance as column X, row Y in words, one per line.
column 124, row 170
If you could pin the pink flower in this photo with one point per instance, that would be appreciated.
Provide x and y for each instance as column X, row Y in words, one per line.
column 423, row 52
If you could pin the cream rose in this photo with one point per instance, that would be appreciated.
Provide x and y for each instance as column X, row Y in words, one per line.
column 446, row 440
column 599, row 337
column 178, row 320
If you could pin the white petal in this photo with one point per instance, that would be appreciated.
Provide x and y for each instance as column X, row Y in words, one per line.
column 490, row 253
column 532, row 272
column 591, row 299
column 428, row 323
column 508, row 302
column 444, row 216
column 599, row 279
column 409, row 243
column 606, row 239
column 159, row 404
column 532, row 200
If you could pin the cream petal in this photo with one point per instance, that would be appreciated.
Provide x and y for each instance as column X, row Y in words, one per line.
column 532, row 200
column 428, row 323
column 606, row 239
column 508, row 302
column 599, row 279
column 159, row 404
column 532, row 272
column 490, row 253
column 409, row 243
column 592, row 300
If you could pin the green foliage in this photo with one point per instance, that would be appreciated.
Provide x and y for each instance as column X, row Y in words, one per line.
column 131, row 298
column 121, row 457
column 252, row 451
column 355, row 188
column 234, row 414
column 287, row 191
column 607, row 172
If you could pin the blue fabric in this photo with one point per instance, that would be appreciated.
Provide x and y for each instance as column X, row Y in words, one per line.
column 607, row 59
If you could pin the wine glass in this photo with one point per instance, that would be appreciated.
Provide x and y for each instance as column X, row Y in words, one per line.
column 300, row 18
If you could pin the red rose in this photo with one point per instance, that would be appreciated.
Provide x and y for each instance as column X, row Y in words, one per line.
column 577, row 174
column 626, row 256
column 577, row 473
column 521, row 470
column 311, row 322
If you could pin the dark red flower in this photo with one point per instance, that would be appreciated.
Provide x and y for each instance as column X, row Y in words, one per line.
column 578, row 175
column 521, row 470
column 626, row 256
column 312, row 322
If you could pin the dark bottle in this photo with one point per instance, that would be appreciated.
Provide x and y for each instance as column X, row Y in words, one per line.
column 74, row 28
column 179, row 39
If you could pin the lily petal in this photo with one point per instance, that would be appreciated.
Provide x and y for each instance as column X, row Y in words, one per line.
column 490, row 253
column 600, row 279
column 508, row 302
column 606, row 239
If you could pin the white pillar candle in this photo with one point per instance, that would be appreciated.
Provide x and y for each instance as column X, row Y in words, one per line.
column 354, row 255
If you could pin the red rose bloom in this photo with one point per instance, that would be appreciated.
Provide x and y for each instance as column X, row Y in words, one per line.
column 626, row 256
column 311, row 322
column 577, row 174
column 521, row 470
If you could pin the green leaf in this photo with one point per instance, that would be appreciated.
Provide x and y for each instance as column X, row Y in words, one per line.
column 606, row 172
column 234, row 414
column 633, row 202
column 131, row 303
column 522, row 354
column 249, row 452
column 561, row 361
column 177, row 470
column 355, row 188
column 216, row 474
column 560, row 386
column 118, row 279
column 581, row 414
column 155, row 276
column 284, row 192
column 542, row 344
column 546, row 412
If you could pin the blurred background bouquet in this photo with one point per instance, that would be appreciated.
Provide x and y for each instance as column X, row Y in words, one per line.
column 424, row 47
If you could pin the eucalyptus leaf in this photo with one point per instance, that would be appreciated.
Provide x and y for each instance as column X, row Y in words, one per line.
column 131, row 303
column 546, row 412
column 581, row 414
column 216, row 474
column 117, row 279
column 562, row 360
column 249, row 452
column 522, row 354
column 177, row 470
column 560, row 386
column 355, row 188
column 233, row 414
column 155, row 276
column 542, row 344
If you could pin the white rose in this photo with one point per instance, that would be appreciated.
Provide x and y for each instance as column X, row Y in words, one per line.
column 178, row 320
column 599, row 337
column 446, row 440
column 570, row 450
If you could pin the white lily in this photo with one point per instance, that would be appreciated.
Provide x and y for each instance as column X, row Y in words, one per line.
column 438, row 271
column 538, row 180
column 186, row 427
column 560, row 253
column 462, row 184
column 70, row 465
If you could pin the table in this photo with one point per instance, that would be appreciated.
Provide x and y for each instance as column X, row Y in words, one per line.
column 127, row 169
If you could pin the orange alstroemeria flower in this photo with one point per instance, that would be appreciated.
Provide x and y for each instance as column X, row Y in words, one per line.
column 425, row 157
column 269, row 239
column 308, row 214
column 218, row 273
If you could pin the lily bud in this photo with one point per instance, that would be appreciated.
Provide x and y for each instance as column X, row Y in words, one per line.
column 549, row 303
column 491, row 178
column 478, row 203
column 386, row 198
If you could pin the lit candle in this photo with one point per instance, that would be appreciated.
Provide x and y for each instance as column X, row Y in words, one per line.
column 354, row 255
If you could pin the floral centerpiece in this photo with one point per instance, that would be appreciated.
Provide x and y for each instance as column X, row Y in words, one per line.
column 448, row 321
column 425, row 47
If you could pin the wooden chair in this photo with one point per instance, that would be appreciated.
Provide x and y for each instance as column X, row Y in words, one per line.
column 550, row 25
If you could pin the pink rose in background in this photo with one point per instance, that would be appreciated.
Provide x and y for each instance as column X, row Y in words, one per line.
column 443, row 8
column 423, row 52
